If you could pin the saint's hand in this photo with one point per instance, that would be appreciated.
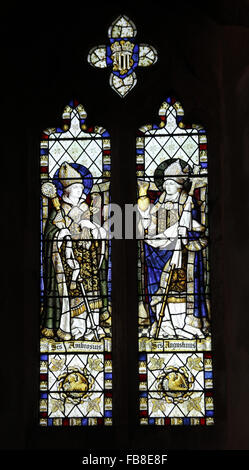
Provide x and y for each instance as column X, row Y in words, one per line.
column 85, row 223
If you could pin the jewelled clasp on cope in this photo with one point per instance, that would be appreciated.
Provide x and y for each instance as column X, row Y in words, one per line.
column 123, row 54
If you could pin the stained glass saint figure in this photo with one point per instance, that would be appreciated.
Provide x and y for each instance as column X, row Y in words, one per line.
column 175, row 352
column 75, row 342
column 173, row 230
column 72, row 264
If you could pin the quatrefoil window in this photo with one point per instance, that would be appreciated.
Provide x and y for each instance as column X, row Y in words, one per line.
column 123, row 55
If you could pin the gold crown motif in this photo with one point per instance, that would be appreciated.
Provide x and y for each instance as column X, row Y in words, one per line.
column 116, row 47
column 125, row 46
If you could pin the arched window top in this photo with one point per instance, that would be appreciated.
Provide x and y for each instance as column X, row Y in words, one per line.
column 171, row 113
column 171, row 138
column 76, row 141
column 74, row 124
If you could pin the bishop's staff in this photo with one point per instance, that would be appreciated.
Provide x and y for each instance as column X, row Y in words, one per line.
column 49, row 190
column 195, row 182
column 164, row 300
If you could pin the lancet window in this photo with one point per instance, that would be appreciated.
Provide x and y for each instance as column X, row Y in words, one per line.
column 175, row 351
column 76, row 275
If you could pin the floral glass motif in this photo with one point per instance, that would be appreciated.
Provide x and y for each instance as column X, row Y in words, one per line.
column 75, row 342
column 123, row 55
column 175, row 353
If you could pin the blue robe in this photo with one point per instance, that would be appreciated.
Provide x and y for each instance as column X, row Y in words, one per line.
column 155, row 260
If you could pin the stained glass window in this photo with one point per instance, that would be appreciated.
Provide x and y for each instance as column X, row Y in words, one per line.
column 123, row 55
column 175, row 353
column 75, row 343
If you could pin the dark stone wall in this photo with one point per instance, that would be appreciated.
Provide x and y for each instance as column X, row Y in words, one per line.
column 203, row 61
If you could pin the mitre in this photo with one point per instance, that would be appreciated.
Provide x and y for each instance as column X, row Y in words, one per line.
column 68, row 175
column 175, row 172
